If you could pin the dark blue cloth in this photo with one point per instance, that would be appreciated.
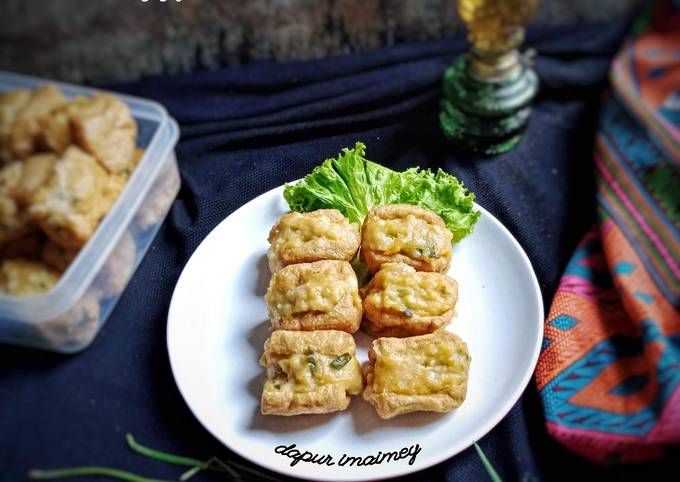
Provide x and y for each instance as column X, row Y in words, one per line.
column 246, row 130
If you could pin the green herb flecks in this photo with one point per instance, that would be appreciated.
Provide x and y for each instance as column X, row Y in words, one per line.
column 340, row 361
column 311, row 360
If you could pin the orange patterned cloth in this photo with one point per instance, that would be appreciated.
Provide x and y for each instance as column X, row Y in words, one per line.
column 609, row 370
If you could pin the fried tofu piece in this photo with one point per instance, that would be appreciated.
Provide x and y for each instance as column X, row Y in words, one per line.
column 76, row 196
column 323, row 295
column 401, row 233
column 56, row 132
column 36, row 170
column 20, row 277
column 421, row 373
column 307, row 237
column 26, row 128
column 11, row 103
column 309, row 372
column 103, row 126
column 400, row 301
column 14, row 221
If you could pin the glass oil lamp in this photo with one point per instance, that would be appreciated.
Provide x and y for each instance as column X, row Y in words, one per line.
column 488, row 91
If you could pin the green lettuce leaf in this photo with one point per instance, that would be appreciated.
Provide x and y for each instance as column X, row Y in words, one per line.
column 353, row 184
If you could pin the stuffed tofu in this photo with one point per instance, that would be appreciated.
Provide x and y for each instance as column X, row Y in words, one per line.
column 400, row 301
column 421, row 373
column 401, row 233
column 103, row 126
column 323, row 295
column 309, row 372
column 23, row 138
column 11, row 103
column 306, row 237
column 14, row 221
column 74, row 198
column 20, row 277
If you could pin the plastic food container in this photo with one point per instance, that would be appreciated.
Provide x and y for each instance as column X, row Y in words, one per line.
column 67, row 318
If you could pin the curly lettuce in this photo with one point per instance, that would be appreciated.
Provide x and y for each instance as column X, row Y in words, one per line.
column 353, row 184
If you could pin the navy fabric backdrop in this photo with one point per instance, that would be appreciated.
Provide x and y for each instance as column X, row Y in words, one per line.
column 249, row 129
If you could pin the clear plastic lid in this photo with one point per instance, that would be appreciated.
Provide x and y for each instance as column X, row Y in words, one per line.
column 157, row 134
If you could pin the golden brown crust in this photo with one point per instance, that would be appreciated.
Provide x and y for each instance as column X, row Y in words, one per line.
column 56, row 133
column 328, row 398
column 104, row 127
column 402, row 327
column 345, row 315
column 325, row 398
column 317, row 245
column 14, row 220
column 21, row 277
column 24, row 137
column 390, row 404
column 11, row 103
column 327, row 342
column 374, row 258
column 36, row 170
column 385, row 322
column 71, row 203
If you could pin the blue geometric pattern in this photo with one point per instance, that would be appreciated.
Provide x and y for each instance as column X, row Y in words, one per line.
column 624, row 268
column 564, row 322
column 557, row 394
column 642, row 152
column 646, row 298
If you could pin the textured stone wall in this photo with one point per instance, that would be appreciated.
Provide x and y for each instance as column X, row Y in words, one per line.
column 110, row 40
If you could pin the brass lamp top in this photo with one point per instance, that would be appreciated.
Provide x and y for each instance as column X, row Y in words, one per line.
column 495, row 30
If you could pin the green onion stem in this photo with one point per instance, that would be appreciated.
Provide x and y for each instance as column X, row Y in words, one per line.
column 195, row 464
column 85, row 471
column 190, row 473
column 213, row 463
column 487, row 465
column 162, row 456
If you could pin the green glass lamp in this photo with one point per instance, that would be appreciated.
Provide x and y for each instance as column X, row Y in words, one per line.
column 488, row 91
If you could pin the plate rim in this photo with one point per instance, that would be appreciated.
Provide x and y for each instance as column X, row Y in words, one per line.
column 459, row 447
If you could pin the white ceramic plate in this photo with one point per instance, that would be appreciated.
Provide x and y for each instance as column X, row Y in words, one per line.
column 217, row 326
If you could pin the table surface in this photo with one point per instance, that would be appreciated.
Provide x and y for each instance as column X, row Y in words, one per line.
column 246, row 130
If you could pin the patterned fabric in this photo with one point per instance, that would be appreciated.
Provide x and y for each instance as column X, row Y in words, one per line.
column 609, row 370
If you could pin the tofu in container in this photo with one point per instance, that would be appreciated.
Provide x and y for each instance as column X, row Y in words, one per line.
column 80, row 205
